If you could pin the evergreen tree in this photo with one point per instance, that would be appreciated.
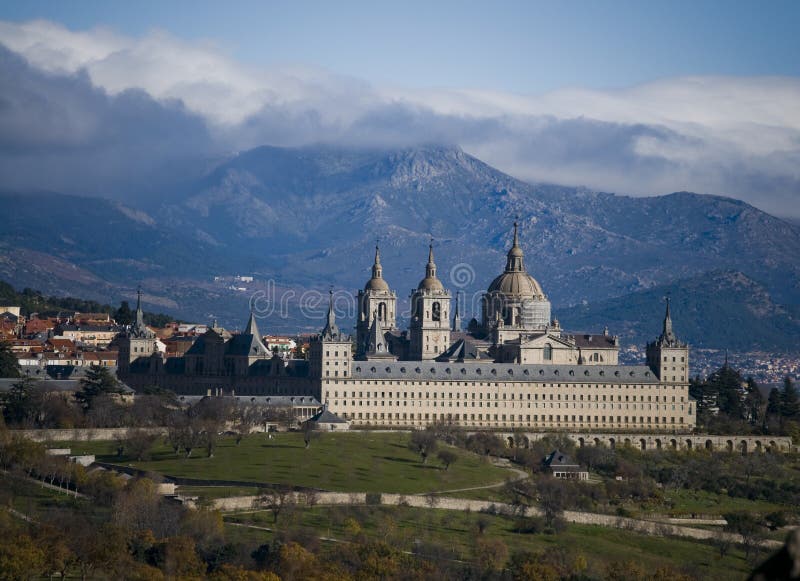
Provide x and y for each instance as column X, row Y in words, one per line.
column 727, row 382
column 9, row 366
column 774, row 403
column 123, row 315
column 754, row 402
column 790, row 401
column 22, row 402
column 98, row 381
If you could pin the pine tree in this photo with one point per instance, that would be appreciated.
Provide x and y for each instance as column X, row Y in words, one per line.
column 123, row 315
column 754, row 402
column 98, row 381
column 727, row 382
column 790, row 401
column 774, row 403
column 9, row 366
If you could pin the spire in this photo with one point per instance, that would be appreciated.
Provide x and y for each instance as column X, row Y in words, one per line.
column 139, row 312
column 514, row 262
column 456, row 316
column 331, row 331
column 430, row 268
column 377, row 269
column 376, row 340
column 252, row 328
column 667, row 334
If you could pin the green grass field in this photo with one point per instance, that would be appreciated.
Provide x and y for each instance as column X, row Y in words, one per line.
column 345, row 462
column 702, row 502
column 407, row 528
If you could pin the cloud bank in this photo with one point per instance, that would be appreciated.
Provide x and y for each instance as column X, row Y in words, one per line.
column 100, row 113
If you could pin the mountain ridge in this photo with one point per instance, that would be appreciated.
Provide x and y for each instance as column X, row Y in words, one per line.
column 310, row 216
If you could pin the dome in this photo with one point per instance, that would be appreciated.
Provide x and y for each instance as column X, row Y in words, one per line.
column 517, row 284
column 430, row 283
column 376, row 284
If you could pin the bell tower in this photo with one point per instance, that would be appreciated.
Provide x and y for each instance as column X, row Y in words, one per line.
column 430, row 315
column 667, row 356
column 377, row 300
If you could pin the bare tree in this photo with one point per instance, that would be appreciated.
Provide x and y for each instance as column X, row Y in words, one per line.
column 277, row 500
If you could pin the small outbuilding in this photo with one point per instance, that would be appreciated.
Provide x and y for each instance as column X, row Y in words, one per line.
column 327, row 421
column 562, row 466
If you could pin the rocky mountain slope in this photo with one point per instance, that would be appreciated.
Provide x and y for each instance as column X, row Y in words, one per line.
column 309, row 217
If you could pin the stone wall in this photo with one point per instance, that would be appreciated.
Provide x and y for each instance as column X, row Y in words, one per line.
column 81, row 434
column 643, row 441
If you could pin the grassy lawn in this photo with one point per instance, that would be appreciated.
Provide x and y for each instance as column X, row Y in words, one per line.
column 34, row 500
column 407, row 528
column 702, row 502
column 346, row 462
column 217, row 491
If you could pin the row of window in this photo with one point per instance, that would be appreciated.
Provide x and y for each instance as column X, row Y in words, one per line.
column 575, row 397
column 479, row 404
column 530, row 419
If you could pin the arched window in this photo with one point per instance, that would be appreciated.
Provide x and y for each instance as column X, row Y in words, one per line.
column 436, row 311
column 382, row 312
column 548, row 352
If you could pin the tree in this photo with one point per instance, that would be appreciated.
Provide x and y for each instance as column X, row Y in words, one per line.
column 790, row 401
column 727, row 383
column 276, row 500
column 9, row 366
column 753, row 403
column 749, row 527
column 139, row 444
column 123, row 315
column 21, row 559
column 22, row 402
column 98, row 382
column 447, row 457
column 490, row 554
column 773, row 405
column 552, row 498
column 423, row 442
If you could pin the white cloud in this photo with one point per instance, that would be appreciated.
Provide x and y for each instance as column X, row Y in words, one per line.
column 728, row 135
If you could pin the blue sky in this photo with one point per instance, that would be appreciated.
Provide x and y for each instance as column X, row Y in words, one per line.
column 639, row 98
column 522, row 46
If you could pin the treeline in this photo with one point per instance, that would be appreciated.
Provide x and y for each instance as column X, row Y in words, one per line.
column 33, row 301
column 727, row 403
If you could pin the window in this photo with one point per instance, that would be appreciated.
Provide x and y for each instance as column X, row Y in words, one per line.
column 436, row 311
column 548, row 352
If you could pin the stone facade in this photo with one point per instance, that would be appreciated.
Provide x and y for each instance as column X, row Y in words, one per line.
column 517, row 369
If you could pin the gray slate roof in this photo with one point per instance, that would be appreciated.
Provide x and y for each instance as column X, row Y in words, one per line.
column 326, row 417
column 277, row 401
column 67, row 385
column 479, row 371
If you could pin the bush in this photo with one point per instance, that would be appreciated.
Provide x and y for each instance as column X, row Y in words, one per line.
column 373, row 498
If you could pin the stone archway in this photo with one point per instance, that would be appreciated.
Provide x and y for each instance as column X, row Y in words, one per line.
column 758, row 447
column 709, row 445
column 743, row 447
column 729, row 445
column 674, row 443
column 581, row 442
column 612, row 443
column 597, row 442
column 643, row 444
column 688, row 444
column 658, row 443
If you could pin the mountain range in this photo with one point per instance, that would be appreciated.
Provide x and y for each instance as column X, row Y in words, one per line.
column 309, row 217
